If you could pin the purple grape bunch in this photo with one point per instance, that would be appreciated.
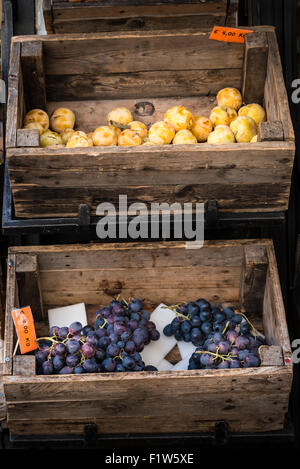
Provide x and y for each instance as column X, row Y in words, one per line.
column 222, row 337
column 122, row 329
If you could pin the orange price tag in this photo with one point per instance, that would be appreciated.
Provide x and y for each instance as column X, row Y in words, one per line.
column 220, row 33
column 24, row 325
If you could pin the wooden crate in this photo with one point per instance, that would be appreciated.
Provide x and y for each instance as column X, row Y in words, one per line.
column 241, row 273
column 94, row 73
column 121, row 15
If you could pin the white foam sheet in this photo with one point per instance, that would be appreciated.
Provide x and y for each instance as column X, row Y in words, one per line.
column 185, row 348
column 64, row 316
column 164, row 365
column 154, row 352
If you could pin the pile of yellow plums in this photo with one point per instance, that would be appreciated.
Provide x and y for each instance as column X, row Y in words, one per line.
column 228, row 122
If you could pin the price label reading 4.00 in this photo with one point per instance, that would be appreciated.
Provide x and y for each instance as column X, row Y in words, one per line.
column 223, row 34
column 24, row 325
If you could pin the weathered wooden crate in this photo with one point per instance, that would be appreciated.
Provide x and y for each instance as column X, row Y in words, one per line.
column 241, row 273
column 62, row 16
column 92, row 74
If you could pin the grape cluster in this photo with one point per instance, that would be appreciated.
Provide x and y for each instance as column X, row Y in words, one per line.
column 223, row 338
column 121, row 331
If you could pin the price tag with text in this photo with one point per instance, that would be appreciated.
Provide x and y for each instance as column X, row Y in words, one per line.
column 223, row 34
column 24, row 325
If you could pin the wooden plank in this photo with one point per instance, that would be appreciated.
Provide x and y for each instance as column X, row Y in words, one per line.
column 28, row 138
column 24, row 365
column 141, row 85
column 255, row 67
column 183, row 423
column 13, row 111
column 65, row 202
column 277, row 92
column 11, row 302
column 47, row 12
column 270, row 131
column 141, row 23
column 88, row 388
column 153, row 393
column 253, row 278
column 161, row 50
column 33, row 74
column 275, row 325
column 29, row 285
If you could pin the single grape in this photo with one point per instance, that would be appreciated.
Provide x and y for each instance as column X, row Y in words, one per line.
column 234, row 363
column 242, row 342
column 219, row 327
column 178, row 336
column 58, row 362
column 195, row 321
column 231, row 336
column 114, row 338
column 217, row 337
column 103, row 343
column 92, row 338
column 66, row 370
column 219, row 317
column 41, row 357
column 88, row 350
column 126, row 335
column 168, row 330
column 135, row 305
column 109, row 364
column 228, row 312
column 223, row 365
column 120, row 368
column 224, row 347
column 205, row 316
column 154, row 334
column 193, row 308
column 72, row 360
column 72, row 346
column 129, row 363
column 87, row 329
column 63, row 333
column 90, row 365
column 132, row 324
column 118, row 309
column 53, row 331
column 251, row 361
column 130, row 347
column 206, row 328
column 75, row 328
column 202, row 303
column 112, row 350
column 100, row 355
column 78, row 370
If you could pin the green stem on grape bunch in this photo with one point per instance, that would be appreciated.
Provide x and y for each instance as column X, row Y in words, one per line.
column 120, row 354
column 82, row 357
column 250, row 324
column 104, row 324
column 225, row 328
column 172, row 308
column 216, row 355
column 126, row 302
column 47, row 338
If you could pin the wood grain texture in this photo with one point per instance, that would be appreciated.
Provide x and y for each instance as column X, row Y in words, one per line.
column 93, row 73
column 253, row 278
column 251, row 179
column 28, row 138
column 13, row 110
column 90, row 17
column 33, row 75
column 255, row 67
column 270, row 131
column 80, row 272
